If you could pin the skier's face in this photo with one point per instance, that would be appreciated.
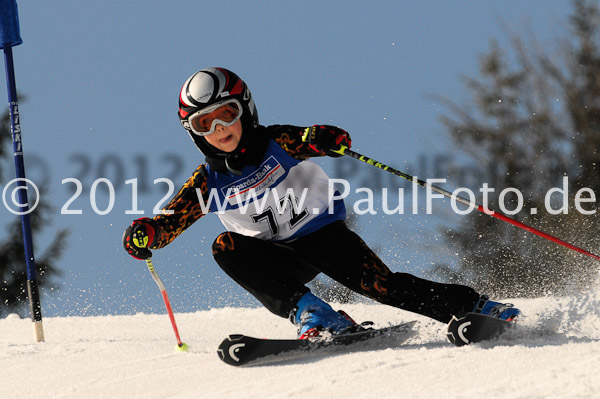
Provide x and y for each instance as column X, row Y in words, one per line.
column 226, row 138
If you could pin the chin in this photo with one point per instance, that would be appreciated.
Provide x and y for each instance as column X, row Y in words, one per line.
column 231, row 148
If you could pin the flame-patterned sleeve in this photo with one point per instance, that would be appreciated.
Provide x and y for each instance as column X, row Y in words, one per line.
column 185, row 209
column 290, row 139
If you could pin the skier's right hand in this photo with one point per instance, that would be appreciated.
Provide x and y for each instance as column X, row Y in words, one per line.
column 139, row 237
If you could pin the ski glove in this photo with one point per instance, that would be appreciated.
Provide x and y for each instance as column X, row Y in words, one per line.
column 325, row 138
column 139, row 237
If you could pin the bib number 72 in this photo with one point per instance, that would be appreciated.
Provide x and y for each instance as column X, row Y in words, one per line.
column 273, row 217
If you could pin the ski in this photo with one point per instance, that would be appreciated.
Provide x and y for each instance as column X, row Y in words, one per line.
column 238, row 350
column 475, row 327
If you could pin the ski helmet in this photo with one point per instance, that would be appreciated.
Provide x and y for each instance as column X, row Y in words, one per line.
column 208, row 87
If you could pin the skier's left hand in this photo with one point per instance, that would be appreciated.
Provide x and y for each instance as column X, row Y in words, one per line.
column 325, row 138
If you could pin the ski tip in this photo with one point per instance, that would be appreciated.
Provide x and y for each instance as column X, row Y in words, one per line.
column 229, row 349
column 474, row 327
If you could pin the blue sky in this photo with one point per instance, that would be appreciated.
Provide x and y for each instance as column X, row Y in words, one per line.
column 101, row 81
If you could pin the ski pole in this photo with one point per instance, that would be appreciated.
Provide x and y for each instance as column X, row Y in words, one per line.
column 9, row 37
column 163, row 291
column 346, row 151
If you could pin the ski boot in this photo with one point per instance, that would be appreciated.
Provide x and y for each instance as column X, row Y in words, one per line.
column 503, row 311
column 315, row 318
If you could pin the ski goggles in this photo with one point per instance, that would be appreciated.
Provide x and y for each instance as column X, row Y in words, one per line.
column 205, row 121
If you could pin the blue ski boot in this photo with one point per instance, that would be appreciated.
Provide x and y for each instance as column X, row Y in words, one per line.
column 316, row 318
column 503, row 311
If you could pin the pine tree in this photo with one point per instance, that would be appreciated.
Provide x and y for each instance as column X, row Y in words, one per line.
column 532, row 119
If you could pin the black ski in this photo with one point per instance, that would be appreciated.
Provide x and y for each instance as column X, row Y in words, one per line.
column 475, row 327
column 238, row 349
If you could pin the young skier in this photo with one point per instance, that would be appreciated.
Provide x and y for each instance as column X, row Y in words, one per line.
column 282, row 228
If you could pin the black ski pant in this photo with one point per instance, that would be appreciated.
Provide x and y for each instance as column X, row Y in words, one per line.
column 276, row 273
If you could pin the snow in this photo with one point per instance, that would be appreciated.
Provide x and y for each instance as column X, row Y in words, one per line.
column 555, row 353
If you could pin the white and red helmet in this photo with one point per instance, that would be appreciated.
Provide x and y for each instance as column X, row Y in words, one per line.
column 210, row 86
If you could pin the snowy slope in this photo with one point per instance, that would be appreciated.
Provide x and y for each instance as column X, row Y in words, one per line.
column 555, row 356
